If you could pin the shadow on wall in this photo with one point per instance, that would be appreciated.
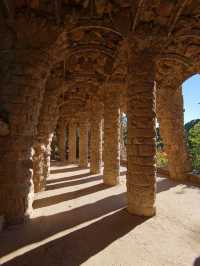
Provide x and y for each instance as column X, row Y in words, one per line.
column 197, row 262
column 80, row 245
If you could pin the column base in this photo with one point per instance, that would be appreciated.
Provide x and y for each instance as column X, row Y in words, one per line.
column 95, row 172
column 39, row 188
column 16, row 202
column 143, row 212
column 83, row 165
column 141, row 200
column 111, row 181
column 177, row 176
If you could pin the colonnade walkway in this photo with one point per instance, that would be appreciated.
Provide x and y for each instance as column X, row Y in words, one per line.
column 80, row 221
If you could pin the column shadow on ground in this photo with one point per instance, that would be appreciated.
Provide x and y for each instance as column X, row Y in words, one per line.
column 66, row 170
column 44, row 202
column 40, row 228
column 164, row 184
column 78, row 246
column 73, row 183
column 67, row 178
column 197, row 262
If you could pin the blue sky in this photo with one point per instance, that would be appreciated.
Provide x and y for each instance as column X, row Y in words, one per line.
column 191, row 94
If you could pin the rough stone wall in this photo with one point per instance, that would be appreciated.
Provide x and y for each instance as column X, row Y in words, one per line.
column 111, row 137
column 49, row 114
column 83, row 143
column 26, row 64
column 171, row 118
column 34, row 35
column 96, row 141
column 61, row 133
column 23, row 109
column 72, row 142
column 38, row 166
column 141, row 135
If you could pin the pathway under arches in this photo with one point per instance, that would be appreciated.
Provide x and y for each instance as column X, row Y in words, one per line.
column 80, row 221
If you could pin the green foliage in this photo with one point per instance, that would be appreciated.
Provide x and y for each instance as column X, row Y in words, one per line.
column 191, row 124
column 124, row 127
column 194, row 145
column 161, row 159
column 159, row 141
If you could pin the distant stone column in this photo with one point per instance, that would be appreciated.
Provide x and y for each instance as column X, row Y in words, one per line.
column 41, row 164
column 47, row 161
column 83, row 144
column 141, row 147
column 171, row 119
column 72, row 142
column 62, row 141
column 96, row 145
column 111, row 137
column 38, row 164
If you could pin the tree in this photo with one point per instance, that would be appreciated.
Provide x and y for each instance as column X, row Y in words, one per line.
column 194, row 145
column 194, row 135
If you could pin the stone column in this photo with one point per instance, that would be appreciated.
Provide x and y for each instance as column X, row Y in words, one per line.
column 47, row 161
column 141, row 136
column 38, row 165
column 96, row 145
column 171, row 119
column 83, row 144
column 62, row 141
column 16, row 189
column 25, row 82
column 72, row 142
column 111, row 137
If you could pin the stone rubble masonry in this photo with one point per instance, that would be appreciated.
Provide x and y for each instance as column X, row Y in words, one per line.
column 61, row 132
column 83, row 143
column 171, row 119
column 141, row 147
column 16, row 168
column 72, row 142
column 111, row 137
column 4, row 129
column 38, row 164
column 35, row 37
column 47, row 123
column 96, row 145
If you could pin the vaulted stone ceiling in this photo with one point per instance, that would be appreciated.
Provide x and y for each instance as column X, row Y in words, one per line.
column 97, row 30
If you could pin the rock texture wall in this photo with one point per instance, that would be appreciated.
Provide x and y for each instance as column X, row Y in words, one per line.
column 49, row 114
column 171, row 118
column 83, row 143
column 141, row 136
column 96, row 145
column 61, row 133
column 111, row 138
column 72, row 142
column 35, row 35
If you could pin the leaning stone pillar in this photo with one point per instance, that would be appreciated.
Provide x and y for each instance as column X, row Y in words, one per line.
column 96, row 145
column 61, row 131
column 16, row 155
column 171, row 119
column 47, row 161
column 141, row 136
column 16, row 189
column 83, row 144
column 72, row 142
column 111, row 138
column 38, row 166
